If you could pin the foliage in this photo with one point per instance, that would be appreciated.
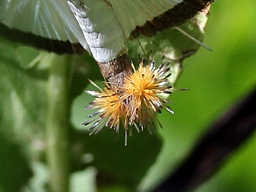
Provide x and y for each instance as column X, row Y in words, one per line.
column 29, row 87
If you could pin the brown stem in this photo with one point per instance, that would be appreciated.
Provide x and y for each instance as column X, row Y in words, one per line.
column 116, row 70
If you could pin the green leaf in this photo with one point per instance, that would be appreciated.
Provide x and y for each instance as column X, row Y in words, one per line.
column 22, row 117
column 14, row 167
column 172, row 44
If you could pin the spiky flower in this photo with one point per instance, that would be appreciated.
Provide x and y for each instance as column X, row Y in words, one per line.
column 135, row 103
column 142, row 88
column 110, row 109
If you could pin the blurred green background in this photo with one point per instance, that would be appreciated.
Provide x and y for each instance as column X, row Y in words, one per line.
column 216, row 81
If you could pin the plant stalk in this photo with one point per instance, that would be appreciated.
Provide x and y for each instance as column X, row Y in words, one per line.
column 57, row 122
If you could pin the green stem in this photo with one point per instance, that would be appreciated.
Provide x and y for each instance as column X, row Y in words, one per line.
column 177, row 69
column 57, row 122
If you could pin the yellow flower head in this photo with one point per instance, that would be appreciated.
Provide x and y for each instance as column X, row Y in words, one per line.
column 110, row 109
column 142, row 89
column 135, row 103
